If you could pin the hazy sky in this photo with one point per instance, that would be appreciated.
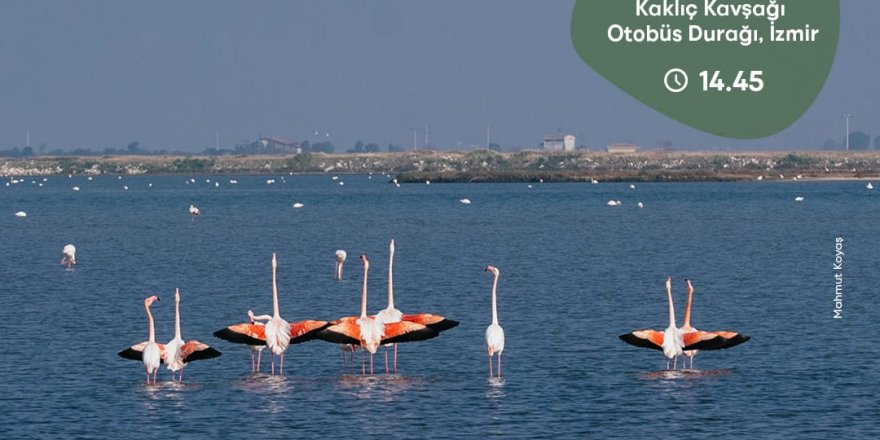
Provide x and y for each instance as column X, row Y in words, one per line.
column 169, row 74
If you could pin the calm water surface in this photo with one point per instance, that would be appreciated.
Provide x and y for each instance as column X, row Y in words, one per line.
column 575, row 273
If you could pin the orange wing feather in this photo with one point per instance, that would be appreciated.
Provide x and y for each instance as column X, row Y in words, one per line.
column 302, row 331
column 644, row 338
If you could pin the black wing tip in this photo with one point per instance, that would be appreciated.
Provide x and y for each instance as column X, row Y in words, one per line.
column 414, row 336
column 310, row 336
column 634, row 340
column 444, row 325
column 208, row 353
column 336, row 338
column 719, row 343
column 237, row 338
column 130, row 354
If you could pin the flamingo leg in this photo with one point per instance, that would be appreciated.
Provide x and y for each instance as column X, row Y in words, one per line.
column 281, row 369
column 675, row 363
column 253, row 363
column 259, row 356
column 395, row 358
column 499, row 365
column 667, row 363
column 272, row 356
column 490, row 365
column 154, row 375
column 363, row 365
column 371, row 364
column 386, row 359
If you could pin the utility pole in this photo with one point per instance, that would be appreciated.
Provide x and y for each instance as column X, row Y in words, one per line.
column 847, row 116
column 488, row 127
column 28, row 143
column 426, row 136
column 217, row 140
column 414, row 140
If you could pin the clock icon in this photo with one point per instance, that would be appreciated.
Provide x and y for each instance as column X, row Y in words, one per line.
column 675, row 80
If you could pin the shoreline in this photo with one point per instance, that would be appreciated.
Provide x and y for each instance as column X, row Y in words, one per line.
column 484, row 166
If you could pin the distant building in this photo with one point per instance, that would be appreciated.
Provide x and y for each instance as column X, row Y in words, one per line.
column 277, row 144
column 622, row 148
column 559, row 142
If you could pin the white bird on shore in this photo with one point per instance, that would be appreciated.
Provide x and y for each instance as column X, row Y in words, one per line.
column 799, row 199
column 21, row 214
column 68, row 255
column 341, row 183
column 465, row 201
column 613, row 203
column 870, row 186
column 594, row 181
column 631, row 186
column 427, row 182
column 640, row 205
column 760, row 178
column 298, row 205
column 76, row 188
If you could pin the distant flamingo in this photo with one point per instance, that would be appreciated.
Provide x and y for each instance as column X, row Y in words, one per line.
column 193, row 211
column 177, row 352
column 148, row 351
column 340, row 260
column 276, row 333
column 673, row 341
column 494, row 333
column 368, row 332
column 391, row 315
column 68, row 255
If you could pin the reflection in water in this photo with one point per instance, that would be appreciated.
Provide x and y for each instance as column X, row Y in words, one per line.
column 685, row 374
column 496, row 388
column 386, row 387
column 273, row 388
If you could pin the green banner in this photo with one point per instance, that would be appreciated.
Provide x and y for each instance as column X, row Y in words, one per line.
column 731, row 68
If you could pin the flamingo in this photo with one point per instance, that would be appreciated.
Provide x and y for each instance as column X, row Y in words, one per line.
column 390, row 315
column 494, row 333
column 193, row 211
column 276, row 334
column 687, row 328
column 674, row 341
column 340, row 260
column 149, row 352
column 177, row 352
column 68, row 255
column 369, row 332
column 256, row 348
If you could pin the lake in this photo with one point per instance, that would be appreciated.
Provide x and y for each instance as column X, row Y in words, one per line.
column 575, row 274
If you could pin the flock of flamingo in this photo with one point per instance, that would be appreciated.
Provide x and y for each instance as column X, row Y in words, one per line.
column 367, row 332
column 386, row 328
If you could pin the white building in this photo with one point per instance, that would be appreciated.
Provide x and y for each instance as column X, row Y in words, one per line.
column 559, row 142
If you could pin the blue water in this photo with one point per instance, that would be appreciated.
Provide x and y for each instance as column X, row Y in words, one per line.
column 575, row 274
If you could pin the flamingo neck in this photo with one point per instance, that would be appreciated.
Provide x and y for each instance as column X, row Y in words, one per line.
column 152, row 338
column 177, row 317
column 391, row 281
column 274, row 294
column 687, row 307
column 495, row 300
column 671, row 308
column 364, row 297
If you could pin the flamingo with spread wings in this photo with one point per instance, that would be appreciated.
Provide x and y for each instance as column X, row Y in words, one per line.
column 179, row 353
column 276, row 334
column 369, row 332
column 149, row 352
column 674, row 341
